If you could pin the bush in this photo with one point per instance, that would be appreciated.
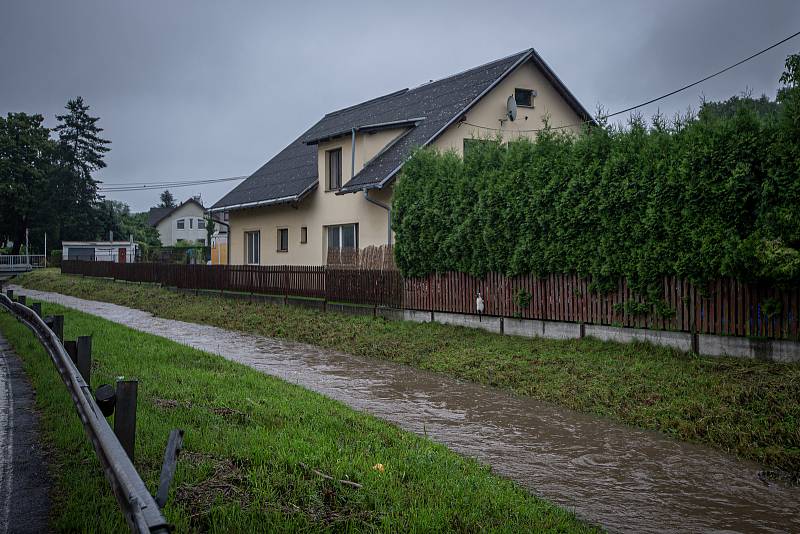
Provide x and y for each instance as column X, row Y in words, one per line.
column 698, row 197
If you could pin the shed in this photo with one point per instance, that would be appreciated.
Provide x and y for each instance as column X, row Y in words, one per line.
column 116, row 251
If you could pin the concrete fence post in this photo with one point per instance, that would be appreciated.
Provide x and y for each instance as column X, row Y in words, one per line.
column 37, row 308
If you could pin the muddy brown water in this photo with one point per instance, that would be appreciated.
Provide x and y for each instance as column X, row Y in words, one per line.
column 621, row 478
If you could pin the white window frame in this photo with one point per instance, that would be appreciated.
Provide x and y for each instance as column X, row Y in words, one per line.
column 252, row 247
column 201, row 224
column 180, row 224
column 340, row 227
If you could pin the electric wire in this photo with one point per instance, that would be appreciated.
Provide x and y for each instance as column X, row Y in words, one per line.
column 652, row 100
column 144, row 186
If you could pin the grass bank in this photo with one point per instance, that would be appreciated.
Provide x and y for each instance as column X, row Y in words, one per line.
column 748, row 408
column 247, row 435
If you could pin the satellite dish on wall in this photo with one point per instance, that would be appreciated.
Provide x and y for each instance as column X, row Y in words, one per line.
column 511, row 108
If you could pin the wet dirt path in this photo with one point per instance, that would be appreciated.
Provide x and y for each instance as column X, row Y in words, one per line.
column 620, row 477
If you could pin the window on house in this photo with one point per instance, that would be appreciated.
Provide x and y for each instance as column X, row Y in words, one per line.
column 181, row 224
column 303, row 234
column 343, row 236
column 283, row 240
column 524, row 97
column 333, row 167
column 191, row 223
column 252, row 244
column 201, row 224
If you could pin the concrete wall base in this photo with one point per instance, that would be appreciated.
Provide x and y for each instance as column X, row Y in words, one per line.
column 704, row 344
column 490, row 324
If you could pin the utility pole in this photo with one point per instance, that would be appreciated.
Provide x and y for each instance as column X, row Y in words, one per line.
column 27, row 249
column 45, row 250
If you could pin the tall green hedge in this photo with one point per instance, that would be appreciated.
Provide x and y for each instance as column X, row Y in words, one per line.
column 717, row 194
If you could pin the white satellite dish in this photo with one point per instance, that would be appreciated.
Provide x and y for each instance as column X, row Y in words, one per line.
column 511, row 108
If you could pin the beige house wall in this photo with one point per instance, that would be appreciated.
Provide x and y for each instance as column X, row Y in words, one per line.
column 318, row 210
column 492, row 107
column 322, row 208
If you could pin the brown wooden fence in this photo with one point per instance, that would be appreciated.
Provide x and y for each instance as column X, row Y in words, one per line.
column 723, row 307
column 361, row 286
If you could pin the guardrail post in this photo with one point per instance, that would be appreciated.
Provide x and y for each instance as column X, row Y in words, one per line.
column 10, row 293
column 37, row 308
column 125, row 415
column 72, row 350
column 22, row 299
column 58, row 327
column 83, row 358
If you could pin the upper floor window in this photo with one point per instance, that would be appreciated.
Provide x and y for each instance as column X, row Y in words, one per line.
column 283, row 240
column 333, row 168
column 304, row 234
column 181, row 224
column 524, row 97
column 201, row 224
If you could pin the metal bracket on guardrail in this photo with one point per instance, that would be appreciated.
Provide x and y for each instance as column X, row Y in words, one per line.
column 139, row 507
column 174, row 446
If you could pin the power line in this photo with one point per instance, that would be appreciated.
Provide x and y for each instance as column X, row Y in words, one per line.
column 144, row 186
column 653, row 100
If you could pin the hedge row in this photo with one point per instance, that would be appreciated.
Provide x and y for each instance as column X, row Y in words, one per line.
column 717, row 194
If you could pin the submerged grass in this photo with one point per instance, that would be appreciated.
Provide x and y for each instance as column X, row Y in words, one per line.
column 748, row 408
column 252, row 445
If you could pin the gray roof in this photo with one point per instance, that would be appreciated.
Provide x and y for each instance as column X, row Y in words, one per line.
column 427, row 110
column 156, row 215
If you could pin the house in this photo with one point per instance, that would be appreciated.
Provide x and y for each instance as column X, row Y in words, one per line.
column 331, row 188
column 183, row 224
column 116, row 251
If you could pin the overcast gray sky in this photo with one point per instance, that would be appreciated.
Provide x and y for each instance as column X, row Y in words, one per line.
column 191, row 90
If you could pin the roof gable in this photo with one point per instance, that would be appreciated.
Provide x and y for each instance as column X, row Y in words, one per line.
column 428, row 109
column 156, row 215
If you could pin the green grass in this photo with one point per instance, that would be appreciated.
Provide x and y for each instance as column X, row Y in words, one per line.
column 748, row 408
column 246, row 436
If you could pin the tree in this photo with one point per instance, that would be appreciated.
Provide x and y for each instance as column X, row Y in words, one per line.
column 167, row 200
column 27, row 156
column 81, row 152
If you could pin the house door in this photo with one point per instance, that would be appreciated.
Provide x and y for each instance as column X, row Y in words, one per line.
column 122, row 254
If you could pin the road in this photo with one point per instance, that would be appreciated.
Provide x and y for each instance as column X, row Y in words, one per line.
column 24, row 481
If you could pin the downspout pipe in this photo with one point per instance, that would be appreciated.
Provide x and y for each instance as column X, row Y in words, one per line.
column 366, row 193
column 352, row 153
column 389, row 214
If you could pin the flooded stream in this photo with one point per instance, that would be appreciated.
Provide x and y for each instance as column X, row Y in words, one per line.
column 619, row 477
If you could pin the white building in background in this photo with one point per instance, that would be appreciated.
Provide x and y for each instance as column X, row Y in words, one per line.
column 116, row 251
column 184, row 224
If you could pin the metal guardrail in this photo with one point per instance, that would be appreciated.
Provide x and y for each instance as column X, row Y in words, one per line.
column 138, row 505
